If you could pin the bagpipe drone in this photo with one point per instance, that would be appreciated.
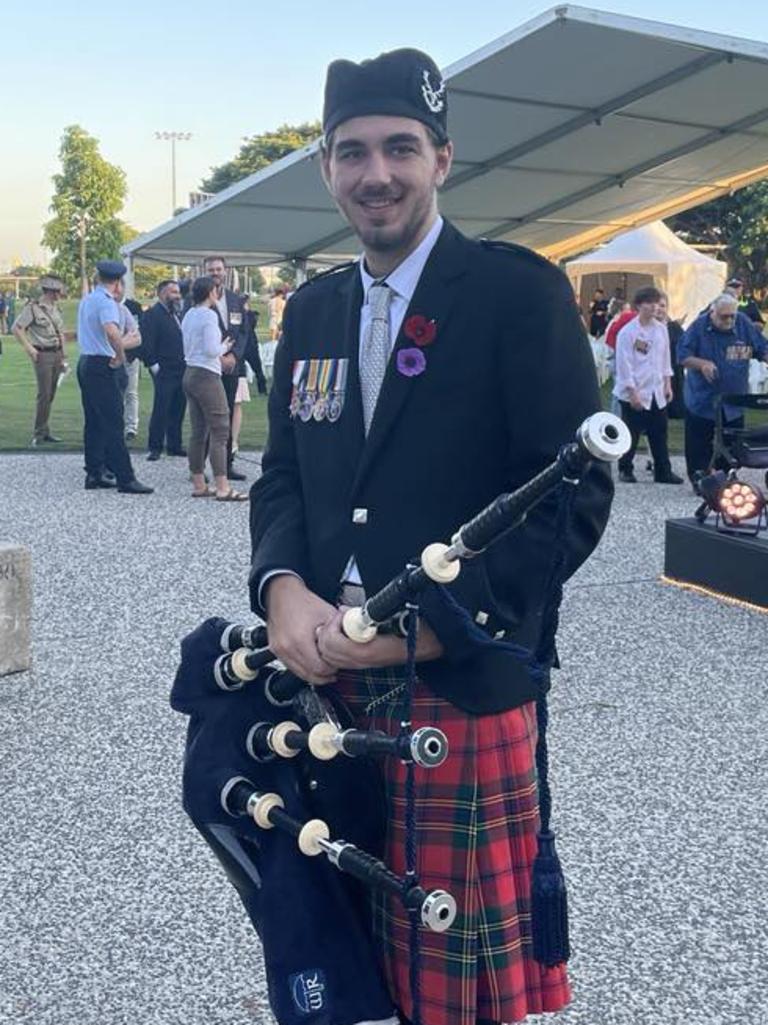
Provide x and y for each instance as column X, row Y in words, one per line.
column 275, row 773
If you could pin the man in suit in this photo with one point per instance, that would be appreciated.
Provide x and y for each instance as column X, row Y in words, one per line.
column 234, row 325
column 164, row 355
column 377, row 447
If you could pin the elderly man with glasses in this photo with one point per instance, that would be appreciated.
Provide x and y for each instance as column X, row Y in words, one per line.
column 715, row 351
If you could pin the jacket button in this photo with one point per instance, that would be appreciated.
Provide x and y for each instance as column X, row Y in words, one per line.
column 360, row 516
column 481, row 618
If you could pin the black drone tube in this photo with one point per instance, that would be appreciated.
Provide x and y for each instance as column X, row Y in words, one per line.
column 436, row 908
column 508, row 511
column 238, row 636
column 601, row 436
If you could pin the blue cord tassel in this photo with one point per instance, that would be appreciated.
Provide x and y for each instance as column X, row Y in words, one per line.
column 549, row 905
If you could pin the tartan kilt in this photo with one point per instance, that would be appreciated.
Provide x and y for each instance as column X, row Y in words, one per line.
column 476, row 820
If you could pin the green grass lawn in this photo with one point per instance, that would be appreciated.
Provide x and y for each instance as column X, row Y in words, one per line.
column 17, row 406
column 18, row 389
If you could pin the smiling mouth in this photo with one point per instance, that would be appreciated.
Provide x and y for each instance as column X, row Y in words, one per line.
column 378, row 204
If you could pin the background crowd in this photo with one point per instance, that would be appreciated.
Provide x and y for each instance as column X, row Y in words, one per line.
column 661, row 371
column 117, row 337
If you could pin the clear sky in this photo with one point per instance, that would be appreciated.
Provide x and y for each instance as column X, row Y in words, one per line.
column 221, row 71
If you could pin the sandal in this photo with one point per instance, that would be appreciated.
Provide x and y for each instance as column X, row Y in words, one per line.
column 232, row 496
column 208, row 493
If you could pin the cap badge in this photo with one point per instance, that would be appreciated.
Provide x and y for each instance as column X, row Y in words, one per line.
column 434, row 98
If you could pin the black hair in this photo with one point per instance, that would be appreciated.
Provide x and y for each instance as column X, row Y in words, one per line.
column 164, row 284
column 649, row 294
column 201, row 289
column 210, row 259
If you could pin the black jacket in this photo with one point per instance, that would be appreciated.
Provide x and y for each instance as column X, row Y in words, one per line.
column 509, row 377
column 161, row 339
column 236, row 326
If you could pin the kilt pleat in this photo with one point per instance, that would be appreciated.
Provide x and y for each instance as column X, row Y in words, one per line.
column 477, row 817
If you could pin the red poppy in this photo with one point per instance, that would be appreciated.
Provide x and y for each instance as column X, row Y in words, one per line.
column 420, row 330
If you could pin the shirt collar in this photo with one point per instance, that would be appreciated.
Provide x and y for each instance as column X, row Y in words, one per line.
column 405, row 277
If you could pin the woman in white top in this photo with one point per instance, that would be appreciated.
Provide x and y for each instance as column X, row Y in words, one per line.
column 208, row 409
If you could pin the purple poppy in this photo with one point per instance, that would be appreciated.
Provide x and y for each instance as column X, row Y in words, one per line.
column 411, row 362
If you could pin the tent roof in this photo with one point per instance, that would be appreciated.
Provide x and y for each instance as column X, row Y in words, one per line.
column 574, row 127
column 652, row 244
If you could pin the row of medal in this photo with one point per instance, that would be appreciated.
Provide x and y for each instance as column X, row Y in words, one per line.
column 318, row 389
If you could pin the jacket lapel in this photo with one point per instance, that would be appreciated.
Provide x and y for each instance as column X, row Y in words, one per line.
column 435, row 294
column 350, row 423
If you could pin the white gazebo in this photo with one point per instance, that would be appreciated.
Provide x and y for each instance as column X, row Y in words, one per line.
column 651, row 255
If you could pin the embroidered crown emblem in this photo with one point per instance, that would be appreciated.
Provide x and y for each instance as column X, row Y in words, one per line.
column 434, row 98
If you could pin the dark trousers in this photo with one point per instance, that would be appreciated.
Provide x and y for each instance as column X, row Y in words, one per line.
column 653, row 423
column 230, row 382
column 699, row 443
column 253, row 356
column 103, row 419
column 168, row 408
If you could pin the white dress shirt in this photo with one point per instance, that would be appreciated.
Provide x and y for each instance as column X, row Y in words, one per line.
column 642, row 362
column 402, row 281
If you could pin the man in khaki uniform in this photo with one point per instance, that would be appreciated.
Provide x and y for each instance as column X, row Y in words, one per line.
column 40, row 329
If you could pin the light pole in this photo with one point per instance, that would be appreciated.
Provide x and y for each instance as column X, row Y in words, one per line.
column 173, row 137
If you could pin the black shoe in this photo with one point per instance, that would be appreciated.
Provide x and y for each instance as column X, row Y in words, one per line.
column 92, row 483
column 177, row 452
column 135, row 487
column 50, row 437
column 670, row 478
column 235, row 475
column 153, row 457
column 627, row 476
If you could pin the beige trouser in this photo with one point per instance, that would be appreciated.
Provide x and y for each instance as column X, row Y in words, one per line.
column 47, row 371
column 209, row 416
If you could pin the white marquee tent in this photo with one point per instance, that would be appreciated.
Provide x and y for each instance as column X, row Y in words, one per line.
column 650, row 255
column 568, row 130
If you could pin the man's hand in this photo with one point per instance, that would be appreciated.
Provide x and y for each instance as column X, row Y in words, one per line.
column 32, row 353
column 668, row 392
column 708, row 369
column 228, row 362
column 634, row 401
column 339, row 651
column 131, row 340
column 294, row 616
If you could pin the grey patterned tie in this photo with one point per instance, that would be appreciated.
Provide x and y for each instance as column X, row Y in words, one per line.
column 375, row 352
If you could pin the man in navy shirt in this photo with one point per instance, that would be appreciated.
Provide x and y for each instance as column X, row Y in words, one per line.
column 715, row 351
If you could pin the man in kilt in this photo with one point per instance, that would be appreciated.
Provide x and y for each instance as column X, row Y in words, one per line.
column 399, row 409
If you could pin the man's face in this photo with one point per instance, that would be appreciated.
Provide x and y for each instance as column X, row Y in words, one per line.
column 171, row 294
column 647, row 310
column 661, row 310
column 735, row 290
column 723, row 317
column 383, row 173
column 51, row 297
column 217, row 270
column 119, row 290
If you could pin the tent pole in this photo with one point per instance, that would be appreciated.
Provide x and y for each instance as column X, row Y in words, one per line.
column 129, row 281
column 300, row 264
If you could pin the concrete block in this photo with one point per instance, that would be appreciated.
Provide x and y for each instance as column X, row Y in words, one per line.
column 15, row 608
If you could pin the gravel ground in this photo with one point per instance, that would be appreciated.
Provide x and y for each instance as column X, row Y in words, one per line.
column 112, row 911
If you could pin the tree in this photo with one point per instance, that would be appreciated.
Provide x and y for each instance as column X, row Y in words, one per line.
column 89, row 194
column 259, row 151
column 740, row 223
column 147, row 276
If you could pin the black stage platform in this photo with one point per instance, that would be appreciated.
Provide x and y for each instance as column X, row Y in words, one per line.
column 733, row 565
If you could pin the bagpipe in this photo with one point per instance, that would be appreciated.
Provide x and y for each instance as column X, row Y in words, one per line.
column 276, row 774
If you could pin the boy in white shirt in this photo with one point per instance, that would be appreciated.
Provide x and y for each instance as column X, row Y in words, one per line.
column 643, row 386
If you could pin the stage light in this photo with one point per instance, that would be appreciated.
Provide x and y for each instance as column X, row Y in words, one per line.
column 739, row 502
column 738, row 506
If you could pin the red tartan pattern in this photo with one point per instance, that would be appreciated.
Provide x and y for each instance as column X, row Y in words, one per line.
column 476, row 817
